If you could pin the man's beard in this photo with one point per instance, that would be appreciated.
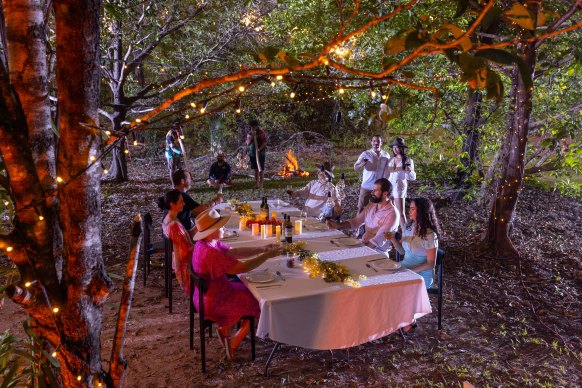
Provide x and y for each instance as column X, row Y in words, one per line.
column 375, row 199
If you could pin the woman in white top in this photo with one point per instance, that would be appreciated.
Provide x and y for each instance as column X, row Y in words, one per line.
column 401, row 170
column 419, row 242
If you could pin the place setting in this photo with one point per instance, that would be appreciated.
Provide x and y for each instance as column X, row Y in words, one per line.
column 345, row 242
column 264, row 279
column 384, row 264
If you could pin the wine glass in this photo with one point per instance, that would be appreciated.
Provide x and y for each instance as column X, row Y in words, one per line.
column 303, row 214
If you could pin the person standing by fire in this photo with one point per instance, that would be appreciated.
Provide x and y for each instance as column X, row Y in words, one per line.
column 257, row 142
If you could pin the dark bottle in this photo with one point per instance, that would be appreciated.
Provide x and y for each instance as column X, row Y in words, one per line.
column 288, row 230
column 264, row 211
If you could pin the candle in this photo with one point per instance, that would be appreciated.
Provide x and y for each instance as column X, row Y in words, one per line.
column 298, row 226
column 263, row 231
column 255, row 230
column 269, row 230
column 274, row 215
column 242, row 223
column 278, row 232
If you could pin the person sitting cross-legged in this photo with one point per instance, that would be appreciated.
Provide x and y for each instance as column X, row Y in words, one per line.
column 219, row 173
column 226, row 302
column 379, row 216
column 315, row 193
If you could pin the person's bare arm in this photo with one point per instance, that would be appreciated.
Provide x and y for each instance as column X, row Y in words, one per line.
column 249, row 265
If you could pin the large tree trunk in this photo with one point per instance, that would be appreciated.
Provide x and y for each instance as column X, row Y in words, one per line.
column 470, row 136
column 87, row 284
column 508, row 184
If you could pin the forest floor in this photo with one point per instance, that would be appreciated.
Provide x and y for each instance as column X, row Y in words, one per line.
column 505, row 322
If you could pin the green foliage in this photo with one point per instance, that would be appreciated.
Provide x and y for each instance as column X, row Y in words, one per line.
column 23, row 363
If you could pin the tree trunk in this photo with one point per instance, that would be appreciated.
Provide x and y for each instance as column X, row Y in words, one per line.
column 508, row 184
column 118, row 169
column 87, row 284
column 470, row 136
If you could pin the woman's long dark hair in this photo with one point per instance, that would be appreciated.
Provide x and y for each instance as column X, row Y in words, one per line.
column 402, row 155
column 171, row 196
column 426, row 218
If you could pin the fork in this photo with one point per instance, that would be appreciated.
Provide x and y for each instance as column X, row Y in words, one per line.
column 369, row 266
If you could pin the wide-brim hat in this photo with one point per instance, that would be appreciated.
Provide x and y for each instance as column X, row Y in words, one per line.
column 399, row 142
column 208, row 222
column 327, row 168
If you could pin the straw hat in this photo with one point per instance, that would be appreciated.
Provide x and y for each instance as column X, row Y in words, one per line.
column 207, row 222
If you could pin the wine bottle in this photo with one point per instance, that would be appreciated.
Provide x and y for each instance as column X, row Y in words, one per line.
column 264, row 211
column 329, row 205
column 288, row 230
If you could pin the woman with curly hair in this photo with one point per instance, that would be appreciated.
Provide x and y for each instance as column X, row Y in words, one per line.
column 419, row 242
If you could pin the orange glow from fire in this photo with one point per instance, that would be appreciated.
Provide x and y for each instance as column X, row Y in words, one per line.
column 291, row 166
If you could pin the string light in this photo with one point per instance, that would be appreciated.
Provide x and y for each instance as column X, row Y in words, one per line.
column 105, row 171
column 241, row 88
column 341, row 91
column 292, row 95
column 135, row 142
column 54, row 354
column 79, row 378
column 273, row 83
column 182, row 137
column 92, row 158
column 187, row 117
column 202, row 110
column 279, row 77
column 27, row 284
column 40, row 218
column 193, row 104
column 126, row 151
column 237, row 110
column 138, row 120
column 55, row 310
column 59, row 179
column 108, row 133
column 373, row 94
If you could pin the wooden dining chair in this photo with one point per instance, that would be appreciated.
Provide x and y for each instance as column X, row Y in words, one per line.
column 204, row 323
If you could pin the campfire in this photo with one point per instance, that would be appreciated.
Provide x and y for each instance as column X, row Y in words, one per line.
column 291, row 167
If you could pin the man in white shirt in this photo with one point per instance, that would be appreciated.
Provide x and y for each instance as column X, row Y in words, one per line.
column 373, row 162
column 315, row 192
column 379, row 216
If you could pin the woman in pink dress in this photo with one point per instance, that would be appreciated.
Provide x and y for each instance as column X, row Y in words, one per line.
column 175, row 231
column 225, row 302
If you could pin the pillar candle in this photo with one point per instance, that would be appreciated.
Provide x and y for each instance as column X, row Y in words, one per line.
column 278, row 232
column 298, row 226
column 255, row 230
column 242, row 223
column 263, row 231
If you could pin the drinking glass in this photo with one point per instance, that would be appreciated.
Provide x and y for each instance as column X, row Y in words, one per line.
column 303, row 214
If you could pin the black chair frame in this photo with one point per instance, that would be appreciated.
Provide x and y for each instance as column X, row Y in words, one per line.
column 204, row 323
column 438, row 291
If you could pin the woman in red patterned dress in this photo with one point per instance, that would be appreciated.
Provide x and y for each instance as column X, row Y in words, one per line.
column 175, row 231
column 225, row 301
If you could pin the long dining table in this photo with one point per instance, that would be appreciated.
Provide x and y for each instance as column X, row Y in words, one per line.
column 311, row 313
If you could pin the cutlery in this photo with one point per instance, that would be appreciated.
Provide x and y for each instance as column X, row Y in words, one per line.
column 334, row 243
column 269, row 286
column 381, row 258
column 280, row 275
column 369, row 266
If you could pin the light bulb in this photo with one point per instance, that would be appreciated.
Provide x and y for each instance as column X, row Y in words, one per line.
column 138, row 120
column 193, row 104
column 241, row 88
column 92, row 158
column 292, row 95
column 108, row 133
column 279, row 77
column 55, row 310
column 202, row 110
column 135, row 142
column 272, row 83
column 59, row 179
column 126, row 151
column 182, row 137
column 105, row 171
column 238, row 110
column 342, row 91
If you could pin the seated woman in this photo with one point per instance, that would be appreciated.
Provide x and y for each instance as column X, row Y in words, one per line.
column 173, row 229
column 225, row 302
column 315, row 194
column 419, row 239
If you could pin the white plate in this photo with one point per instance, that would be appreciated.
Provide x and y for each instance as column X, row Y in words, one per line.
column 260, row 277
column 387, row 264
column 347, row 241
column 315, row 226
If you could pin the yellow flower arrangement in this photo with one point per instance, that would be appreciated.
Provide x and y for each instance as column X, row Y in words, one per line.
column 330, row 271
column 242, row 208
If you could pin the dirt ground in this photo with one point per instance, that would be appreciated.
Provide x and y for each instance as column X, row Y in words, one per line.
column 505, row 323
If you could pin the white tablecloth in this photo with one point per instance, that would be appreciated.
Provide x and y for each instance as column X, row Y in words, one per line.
column 314, row 314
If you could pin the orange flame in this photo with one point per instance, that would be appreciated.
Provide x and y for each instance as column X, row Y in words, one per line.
column 291, row 166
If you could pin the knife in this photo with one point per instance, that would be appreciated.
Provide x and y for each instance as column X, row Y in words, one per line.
column 269, row 286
